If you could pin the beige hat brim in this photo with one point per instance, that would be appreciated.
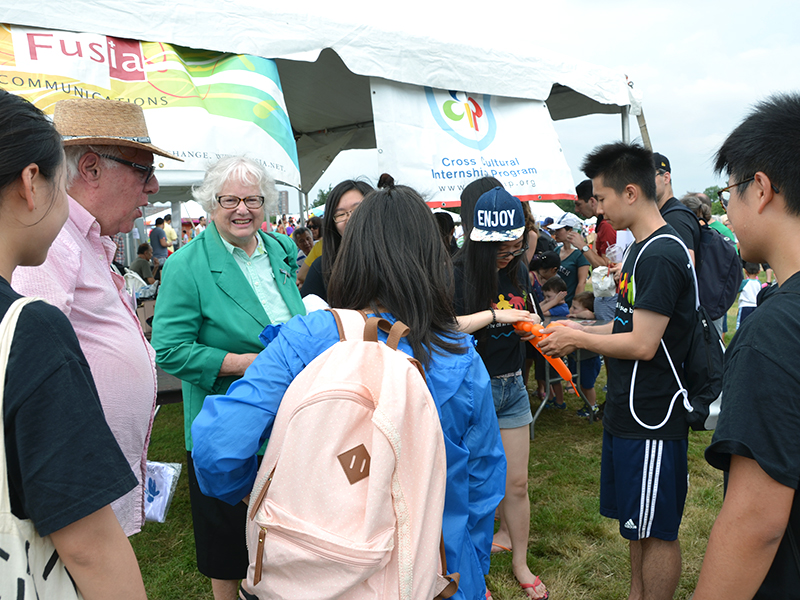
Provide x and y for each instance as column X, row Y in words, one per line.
column 83, row 122
column 112, row 141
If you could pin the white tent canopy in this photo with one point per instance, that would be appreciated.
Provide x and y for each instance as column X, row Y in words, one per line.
column 325, row 63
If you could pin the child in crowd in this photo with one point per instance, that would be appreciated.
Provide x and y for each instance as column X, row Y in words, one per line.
column 554, row 290
column 749, row 292
column 582, row 305
column 542, row 267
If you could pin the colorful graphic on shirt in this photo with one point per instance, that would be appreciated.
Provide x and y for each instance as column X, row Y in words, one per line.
column 627, row 288
column 503, row 303
column 514, row 301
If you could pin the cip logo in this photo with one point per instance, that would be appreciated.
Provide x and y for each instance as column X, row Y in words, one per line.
column 468, row 118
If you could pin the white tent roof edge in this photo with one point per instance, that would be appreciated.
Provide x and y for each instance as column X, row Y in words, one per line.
column 402, row 56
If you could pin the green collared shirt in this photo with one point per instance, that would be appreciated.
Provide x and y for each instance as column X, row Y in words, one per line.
column 258, row 272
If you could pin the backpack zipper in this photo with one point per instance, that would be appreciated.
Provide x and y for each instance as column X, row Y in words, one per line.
column 262, row 534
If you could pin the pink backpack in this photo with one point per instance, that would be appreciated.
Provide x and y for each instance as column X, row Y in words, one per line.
column 348, row 500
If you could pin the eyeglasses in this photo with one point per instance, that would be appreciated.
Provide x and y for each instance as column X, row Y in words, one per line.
column 230, row 202
column 724, row 194
column 340, row 217
column 313, row 226
column 148, row 170
column 515, row 253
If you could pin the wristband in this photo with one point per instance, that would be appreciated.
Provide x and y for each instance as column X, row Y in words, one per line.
column 494, row 316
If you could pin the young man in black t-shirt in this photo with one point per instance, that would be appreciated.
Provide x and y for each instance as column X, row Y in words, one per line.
column 752, row 551
column 644, row 463
column 674, row 213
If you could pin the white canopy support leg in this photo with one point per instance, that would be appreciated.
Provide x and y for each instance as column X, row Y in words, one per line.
column 626, row 125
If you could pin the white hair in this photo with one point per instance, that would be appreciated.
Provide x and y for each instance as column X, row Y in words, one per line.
column 75, row 153
column 239, row 168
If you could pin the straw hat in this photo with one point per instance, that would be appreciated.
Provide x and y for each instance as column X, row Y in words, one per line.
column 82, row 122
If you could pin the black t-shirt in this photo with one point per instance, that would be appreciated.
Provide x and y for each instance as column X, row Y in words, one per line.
column 663, row 284
column 683, row 221
column 315, row 282
column 63, row 461
column 499, row 346
column 760, row 416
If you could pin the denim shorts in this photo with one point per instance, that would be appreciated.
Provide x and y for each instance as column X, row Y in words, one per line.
column 511, row 402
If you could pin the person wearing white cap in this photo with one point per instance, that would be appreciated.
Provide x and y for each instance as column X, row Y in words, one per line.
column 574, row 269
column 494, row 289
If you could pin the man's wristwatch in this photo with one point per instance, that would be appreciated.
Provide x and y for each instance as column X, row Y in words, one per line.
column 585, row 249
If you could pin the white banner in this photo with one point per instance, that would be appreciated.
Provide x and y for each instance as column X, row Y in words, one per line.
column 438, row 141
column 199, row 105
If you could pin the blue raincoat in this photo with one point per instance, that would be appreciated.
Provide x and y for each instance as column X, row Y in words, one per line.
column 230, row 429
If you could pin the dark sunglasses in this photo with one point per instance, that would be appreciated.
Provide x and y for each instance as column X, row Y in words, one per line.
column 147, row 170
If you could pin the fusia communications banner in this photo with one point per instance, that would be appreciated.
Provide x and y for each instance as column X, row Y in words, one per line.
column 438, row 141
column 199, row 105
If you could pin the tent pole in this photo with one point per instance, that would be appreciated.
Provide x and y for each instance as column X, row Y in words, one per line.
column 177, row 224
column 643, row 130
column 626, row 125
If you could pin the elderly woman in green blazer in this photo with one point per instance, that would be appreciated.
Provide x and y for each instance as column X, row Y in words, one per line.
column 217, row 295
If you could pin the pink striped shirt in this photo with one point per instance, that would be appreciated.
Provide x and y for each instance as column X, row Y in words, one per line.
column 77, row 278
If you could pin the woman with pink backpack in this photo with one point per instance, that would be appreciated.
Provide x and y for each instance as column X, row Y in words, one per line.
column 391, row 263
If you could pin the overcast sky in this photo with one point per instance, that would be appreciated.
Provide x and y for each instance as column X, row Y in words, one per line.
column 698, row 66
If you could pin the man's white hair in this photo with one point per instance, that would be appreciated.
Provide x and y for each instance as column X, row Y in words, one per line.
column 75, row 153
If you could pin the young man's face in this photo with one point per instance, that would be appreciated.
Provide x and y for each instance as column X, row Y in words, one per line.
column 584, row 207
column 610, row 204
column 662, row 179
column 743, row 217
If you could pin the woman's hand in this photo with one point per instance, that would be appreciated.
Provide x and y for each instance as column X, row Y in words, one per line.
column 512, row 315
column 479, row 320
column 236, row 364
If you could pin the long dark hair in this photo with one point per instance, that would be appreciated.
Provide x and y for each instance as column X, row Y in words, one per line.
column 392, row 258
column 330, row 234
column 477, row 262
column 27, row 137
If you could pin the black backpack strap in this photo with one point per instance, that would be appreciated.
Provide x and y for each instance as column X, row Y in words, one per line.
column 682, row 207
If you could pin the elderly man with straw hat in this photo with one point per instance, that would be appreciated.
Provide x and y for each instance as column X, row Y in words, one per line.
column 110, row 173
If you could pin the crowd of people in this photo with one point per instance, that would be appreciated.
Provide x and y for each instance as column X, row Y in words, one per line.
column 234, row 323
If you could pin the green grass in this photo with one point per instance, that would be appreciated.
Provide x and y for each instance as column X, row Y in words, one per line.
column 578, row 554
column 166, row 550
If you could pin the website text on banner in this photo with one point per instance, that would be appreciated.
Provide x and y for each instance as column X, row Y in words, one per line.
column 438, row 141
column 203, row 104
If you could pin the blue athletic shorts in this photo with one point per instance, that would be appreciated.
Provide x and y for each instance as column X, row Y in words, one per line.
column 643, row 485
column 590, row 369
column 511, row 402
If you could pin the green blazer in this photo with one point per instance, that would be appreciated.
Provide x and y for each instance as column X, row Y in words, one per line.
column 206, row 308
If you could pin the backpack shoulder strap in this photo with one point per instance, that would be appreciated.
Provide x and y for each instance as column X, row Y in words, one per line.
column 689, row 256
column 354, row 325
column 682, row 207
column 682, row 392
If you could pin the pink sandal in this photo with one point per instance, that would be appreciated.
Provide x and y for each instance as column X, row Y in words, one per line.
column 536, row 582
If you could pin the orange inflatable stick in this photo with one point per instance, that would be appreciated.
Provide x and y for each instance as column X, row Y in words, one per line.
column 538, row 336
